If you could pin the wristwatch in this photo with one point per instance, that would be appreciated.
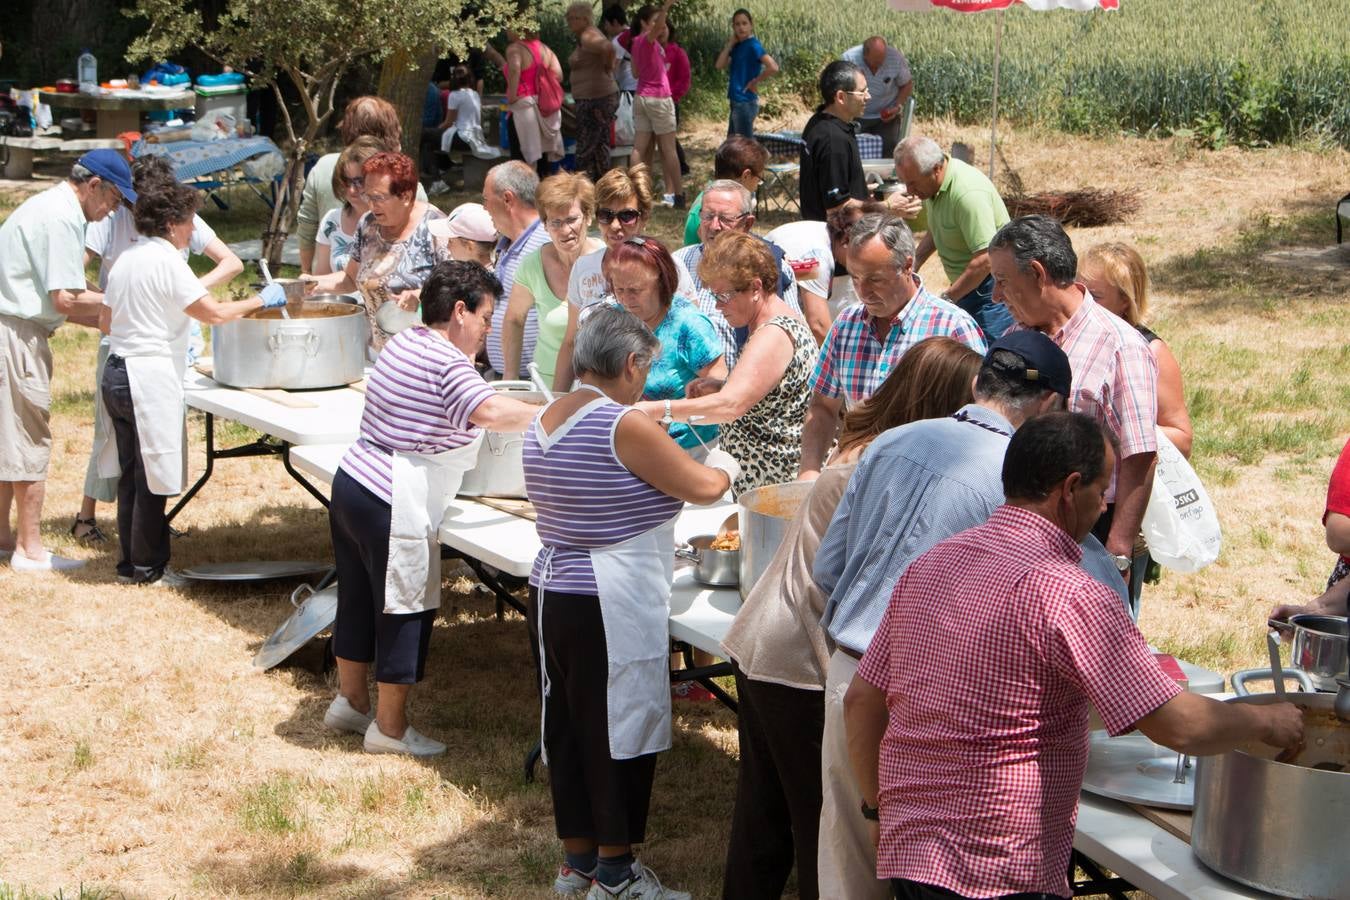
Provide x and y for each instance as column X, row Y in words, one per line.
column 1123, row 563
column 667, row 420
column 871, row 812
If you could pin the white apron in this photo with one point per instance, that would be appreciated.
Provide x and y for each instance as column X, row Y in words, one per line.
column 424, row 486
column 157, row 399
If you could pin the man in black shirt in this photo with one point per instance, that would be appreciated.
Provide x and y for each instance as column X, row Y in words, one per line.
column 831, row 169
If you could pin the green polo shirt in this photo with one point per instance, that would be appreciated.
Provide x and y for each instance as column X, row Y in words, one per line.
column 41, row 250
column 962, row 216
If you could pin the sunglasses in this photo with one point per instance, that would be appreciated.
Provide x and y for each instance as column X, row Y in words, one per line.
column 625, row 216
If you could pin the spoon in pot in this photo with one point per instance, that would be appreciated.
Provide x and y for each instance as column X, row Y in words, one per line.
column 1273, row 645
column 539, row 382
column 267, row 277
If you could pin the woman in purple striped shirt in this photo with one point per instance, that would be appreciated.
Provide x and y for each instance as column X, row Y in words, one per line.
column 425, row 406
column 607, row 487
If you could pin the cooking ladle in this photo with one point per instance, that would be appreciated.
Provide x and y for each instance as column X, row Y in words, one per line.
column 538, row 381
column 1273, row 645
column 267, row 277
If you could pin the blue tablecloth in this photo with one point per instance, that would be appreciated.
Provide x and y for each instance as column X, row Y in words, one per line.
column 790, row 143
column 195, row 159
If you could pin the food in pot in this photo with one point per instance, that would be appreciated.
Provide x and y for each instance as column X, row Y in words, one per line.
column 731, row 540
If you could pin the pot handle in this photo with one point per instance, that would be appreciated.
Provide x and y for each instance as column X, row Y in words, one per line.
column 689, row 553
column 284, row 338
column 1280, row 625
column 1241, row 678
column 496, row 450
column 302, row 589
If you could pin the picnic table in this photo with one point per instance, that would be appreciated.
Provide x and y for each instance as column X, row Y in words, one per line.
column 20, row 152
column 119, row 111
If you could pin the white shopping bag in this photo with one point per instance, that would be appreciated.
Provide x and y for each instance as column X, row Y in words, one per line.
column 624, row 131
column 1180, row 523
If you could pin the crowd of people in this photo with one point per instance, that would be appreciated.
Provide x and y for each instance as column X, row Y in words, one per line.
column 980, row 460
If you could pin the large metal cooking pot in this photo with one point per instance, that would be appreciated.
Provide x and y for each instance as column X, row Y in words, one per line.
column 765, row 514
column 1318, row 647
column 1279, row 826
column 321, row 345
column 500, row 470
column 715, row 568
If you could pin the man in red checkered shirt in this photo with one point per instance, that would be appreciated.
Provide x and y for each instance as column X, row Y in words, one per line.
column 1115, row 378
column 968, row 717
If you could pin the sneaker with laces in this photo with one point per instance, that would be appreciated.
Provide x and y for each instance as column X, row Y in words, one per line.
column 572, row 883
column 47, row 562
column 342, row 716
column 167, row 579
column 644, row 885
column 412, row 743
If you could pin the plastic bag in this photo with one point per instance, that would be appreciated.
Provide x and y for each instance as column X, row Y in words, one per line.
column 1180, row 524
column 624, row 132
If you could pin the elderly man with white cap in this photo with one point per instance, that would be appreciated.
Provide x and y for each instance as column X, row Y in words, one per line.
column 42, row 285
column 468, row 234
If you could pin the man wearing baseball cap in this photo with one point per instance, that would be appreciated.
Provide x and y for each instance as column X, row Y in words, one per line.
column 469, row 233
column 42, row 285
column 918, row 484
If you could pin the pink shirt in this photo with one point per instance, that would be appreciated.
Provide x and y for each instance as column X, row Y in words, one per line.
column 992, row 647
column 649, row 65
column 678, row 71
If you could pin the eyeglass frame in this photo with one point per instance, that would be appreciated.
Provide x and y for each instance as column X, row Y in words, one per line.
column 604, row 215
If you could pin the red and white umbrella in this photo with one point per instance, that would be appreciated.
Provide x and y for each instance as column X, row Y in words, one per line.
column 999, row 6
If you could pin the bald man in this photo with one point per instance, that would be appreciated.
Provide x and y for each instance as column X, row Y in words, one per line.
column 889, row 82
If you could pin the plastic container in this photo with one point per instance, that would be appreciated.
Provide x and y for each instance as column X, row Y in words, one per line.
column 86, row 68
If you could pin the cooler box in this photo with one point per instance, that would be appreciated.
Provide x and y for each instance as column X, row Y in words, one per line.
column 211, row 99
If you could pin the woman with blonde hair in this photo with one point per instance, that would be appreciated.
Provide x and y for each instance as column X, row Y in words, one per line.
column 1115, row 275
column 779, row 652
column 566, row 204
column 337, row 230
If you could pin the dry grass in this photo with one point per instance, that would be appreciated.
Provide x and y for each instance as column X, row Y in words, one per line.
column 145, row 758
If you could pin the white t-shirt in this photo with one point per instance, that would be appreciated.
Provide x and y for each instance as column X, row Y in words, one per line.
column 623, row 70
column 807, row 240
column 586, row 285
column 112, row 235
column 339, row 242
column 468, row 107
column 149, row 288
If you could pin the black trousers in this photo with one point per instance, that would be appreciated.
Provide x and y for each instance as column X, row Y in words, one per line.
column 142, row 528
column 917, row 890
column 777, row 813
column 594, row 795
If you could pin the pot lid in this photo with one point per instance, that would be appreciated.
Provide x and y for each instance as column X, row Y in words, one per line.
column 314, row 614
column 256, row 570
column 1133, row 769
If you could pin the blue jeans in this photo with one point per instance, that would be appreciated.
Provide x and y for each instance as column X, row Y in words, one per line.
column 742, row 118
column 993, row 318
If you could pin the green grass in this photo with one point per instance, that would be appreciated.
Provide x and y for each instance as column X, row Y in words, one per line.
column 81, row 756
column 1251, row 72
column 271, row 808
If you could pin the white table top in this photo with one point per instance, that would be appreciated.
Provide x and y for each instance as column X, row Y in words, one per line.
column 334, row 419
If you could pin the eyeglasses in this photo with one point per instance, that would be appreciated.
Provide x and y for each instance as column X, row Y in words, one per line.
column 558, row 224
column 722, row 297
column 625, row 216
column 863, row 93
column 377, row 199
column 724, row 220
column 359, row 183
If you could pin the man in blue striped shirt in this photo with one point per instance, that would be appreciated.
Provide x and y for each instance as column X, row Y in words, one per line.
column 916, row 485
column 508, row 195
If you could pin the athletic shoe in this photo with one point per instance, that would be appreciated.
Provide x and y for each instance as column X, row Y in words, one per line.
column 48, row 562
column 167, row 579
column 644, row 885
column 412, row 743
column 668, row 200
column 342, row 716
column 571, row 883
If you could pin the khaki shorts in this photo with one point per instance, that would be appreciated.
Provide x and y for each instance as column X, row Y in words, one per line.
column 654, row 114
column 25, row 400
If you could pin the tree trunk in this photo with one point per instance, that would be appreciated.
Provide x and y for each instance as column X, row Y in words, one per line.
column 403, row 82
column 286, row 206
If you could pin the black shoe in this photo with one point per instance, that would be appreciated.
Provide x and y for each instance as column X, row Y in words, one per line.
column 94, row 535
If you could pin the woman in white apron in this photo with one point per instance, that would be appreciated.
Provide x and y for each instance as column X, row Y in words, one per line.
column 425, row 405
column 607, row 487
column 151, row 298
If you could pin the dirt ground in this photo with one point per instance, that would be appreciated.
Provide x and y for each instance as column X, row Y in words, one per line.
column 146, row 758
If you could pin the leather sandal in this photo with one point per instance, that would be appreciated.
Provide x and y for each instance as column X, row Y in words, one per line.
column 94, row 535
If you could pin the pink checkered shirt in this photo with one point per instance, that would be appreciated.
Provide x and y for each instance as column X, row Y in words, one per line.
column 1115, row 378
column 992, row 647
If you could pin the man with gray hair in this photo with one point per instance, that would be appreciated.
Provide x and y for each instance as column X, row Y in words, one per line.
column 508, row 195
column 889, row 83
column 867, row 340
column 728, row 206
column 961, row 209
column 1115, row 377
column 42, row 285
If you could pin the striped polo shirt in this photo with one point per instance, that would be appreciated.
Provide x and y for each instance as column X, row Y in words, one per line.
column 419, row 398
column 585, row 497
column 510, row 254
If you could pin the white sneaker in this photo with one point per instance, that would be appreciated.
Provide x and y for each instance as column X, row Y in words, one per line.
column 644, row 885
column 438, row 187
column 342, row 716
column 571, row 883
column 412, row 743
column 667, row 199
column 48, row 562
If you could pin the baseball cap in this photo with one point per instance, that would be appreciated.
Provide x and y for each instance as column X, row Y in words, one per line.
column 468, row 220
column 1045, row 363
column 112, row 167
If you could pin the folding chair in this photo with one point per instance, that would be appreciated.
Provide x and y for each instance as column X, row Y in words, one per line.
column 779, row 188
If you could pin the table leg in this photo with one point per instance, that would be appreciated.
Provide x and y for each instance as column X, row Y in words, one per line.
column 18, row 162
column 112, row 122
column 493, row 582
column 1098, row 882
column 301, row 479
column 210, row 464
column 704, row 675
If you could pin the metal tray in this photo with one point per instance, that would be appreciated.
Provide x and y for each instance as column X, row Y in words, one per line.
column 256, row 570
column 1133, row 769
column 312, row 615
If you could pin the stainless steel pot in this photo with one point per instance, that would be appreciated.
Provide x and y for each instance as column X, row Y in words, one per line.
column 715, row 568
column 765, row 514
column 321, row 345
column 1318, row 647
column 1279, row 826
column 500, row 469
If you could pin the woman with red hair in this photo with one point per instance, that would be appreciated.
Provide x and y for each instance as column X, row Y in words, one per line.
column 394, row 250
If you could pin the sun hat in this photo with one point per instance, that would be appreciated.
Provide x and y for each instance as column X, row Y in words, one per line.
column 468, row 220
column 112, row 167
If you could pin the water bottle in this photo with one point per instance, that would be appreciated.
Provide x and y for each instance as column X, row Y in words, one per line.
column 87, row 70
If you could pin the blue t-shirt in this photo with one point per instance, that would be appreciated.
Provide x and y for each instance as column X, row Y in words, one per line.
column 688, row 343
column 745, row 66
column 431, row 107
